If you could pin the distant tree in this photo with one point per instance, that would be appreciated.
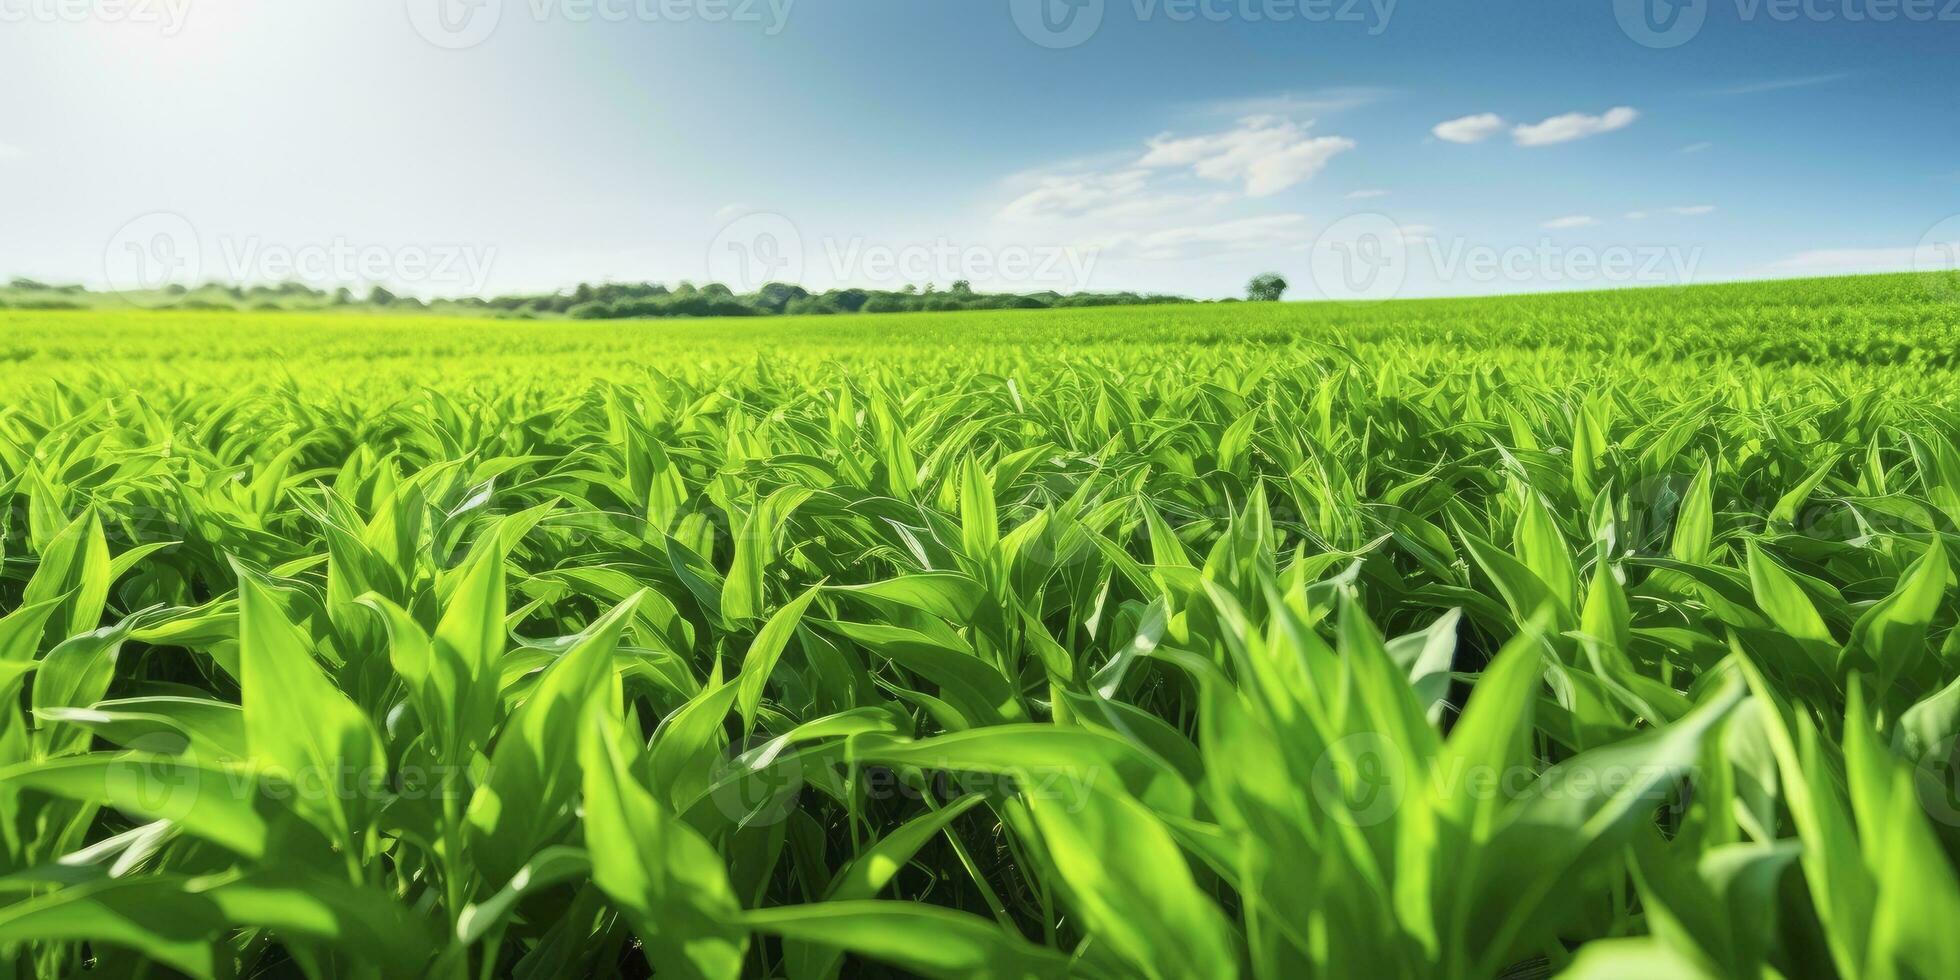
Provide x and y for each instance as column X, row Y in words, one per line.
column 343, row 297
column 776, row 296
column 1266, row 287
column 380, row 297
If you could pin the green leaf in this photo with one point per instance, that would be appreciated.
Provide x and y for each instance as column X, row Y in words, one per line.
column 1783, row 601
column 466, row 648
column 920, row 939
column 1694, row 523
column 766, row 649
column 669, row 883
column 1126, row 877
column 300, row 729
column 215, row 803
column 159, row 917
column 534, row 768
column 1893, row 631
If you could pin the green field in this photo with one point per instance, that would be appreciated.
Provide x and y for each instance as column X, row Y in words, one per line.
column 1610, row 634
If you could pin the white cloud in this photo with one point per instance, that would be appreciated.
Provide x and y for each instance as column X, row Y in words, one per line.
column 1849, row 261
column 1365, row 195
column 1244, row 234
column 1267, row 153
column 1696, row 147
column 1570, row 221
column 1470, row 129
column 1075, row 195
column 1636, row 215
column 1572, row 126
column 729, row 212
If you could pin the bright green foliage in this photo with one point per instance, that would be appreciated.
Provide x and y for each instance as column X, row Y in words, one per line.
column 1606, row 634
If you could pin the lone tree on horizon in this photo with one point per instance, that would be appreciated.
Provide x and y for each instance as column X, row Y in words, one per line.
column 1267, row 287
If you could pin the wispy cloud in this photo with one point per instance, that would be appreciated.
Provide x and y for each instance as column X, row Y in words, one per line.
column 1569, row 222
column 1366, row 195
column 1851, row 261
column 1684, row 210
column 1244, row 234
column 1780, row 84
column 1266, row 153
column 1469, row 129
column 1574, row 125
column 1696, row 147
column 1299, row 105
column 1078, row 195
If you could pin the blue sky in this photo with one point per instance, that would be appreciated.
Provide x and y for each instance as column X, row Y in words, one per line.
column 1178, row 146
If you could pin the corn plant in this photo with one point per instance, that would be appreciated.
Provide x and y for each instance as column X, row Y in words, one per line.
column 1601, row 636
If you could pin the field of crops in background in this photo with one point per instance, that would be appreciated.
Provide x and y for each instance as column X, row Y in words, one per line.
column 1610, row 634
